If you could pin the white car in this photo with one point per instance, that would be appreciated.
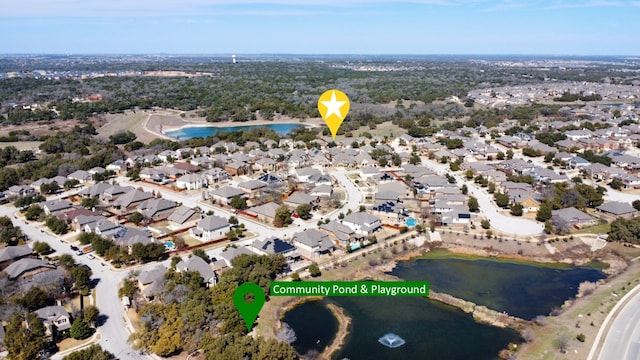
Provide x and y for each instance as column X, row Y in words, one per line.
column 91, row 257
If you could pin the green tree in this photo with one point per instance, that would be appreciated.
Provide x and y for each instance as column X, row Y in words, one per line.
column 93, row 352
column 33, row 212
column 79, row 329
column 136, row 217
column 89, row 202
column 464, row 189
column 49, row 188
column 473, row 204
column 81, row 276
column 636, row 204
column 545, row 212
column 485, row 224
column 283, row 216
column 9, row 234
column 35, row 299
column 516, row 210
column 90, row 314
column 42, row 248
column 502, row 200
column 201, row 254
column 25, row 336
column 509, row 154
column 238, row 202
column 304, row 211
column 314, row 270
column 70, row 184
column 468, row 174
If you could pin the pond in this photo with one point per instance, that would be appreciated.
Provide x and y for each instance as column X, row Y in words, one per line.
column 522, row 289
column 189, row 132
column 428, row 328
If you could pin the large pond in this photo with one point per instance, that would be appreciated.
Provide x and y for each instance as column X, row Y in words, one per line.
column 521, row 289
column 189, row 132
column 431, row 330
column 434, row 330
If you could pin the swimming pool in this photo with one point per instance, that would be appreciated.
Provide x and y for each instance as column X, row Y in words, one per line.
column 411, row 222
column 169, row 245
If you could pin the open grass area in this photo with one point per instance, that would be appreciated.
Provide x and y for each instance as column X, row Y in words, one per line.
column 584, row 316
column 71, row 343
column 598, row 229
column 22, row 145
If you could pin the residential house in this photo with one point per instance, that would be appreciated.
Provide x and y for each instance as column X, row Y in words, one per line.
column 80, row 175
column 11, row 254
column 127, row 202
column 20, row 190
column 191, row 181
column 227, row 255
column 54, row 207
column 215, row 175
column 629, row 181
column 26, row 268
column 151, row 282
column 252, row 187
column 127, row 236
column 274, row 246
column 617, row 209
column 340, row 232
column 197, row 264
column 156, row 208
column 322, row 191
column 211, row 227
column 103, row 227
column 118, row 166
column 265, row 212
column 300, row 198
column 182, row 214
column 570, row 217
column 56, row 320
column 224, row 194
column 235, row 168
column 313, row 243
column 362, row 223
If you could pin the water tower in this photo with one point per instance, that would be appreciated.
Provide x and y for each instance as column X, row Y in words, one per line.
column 233, row 59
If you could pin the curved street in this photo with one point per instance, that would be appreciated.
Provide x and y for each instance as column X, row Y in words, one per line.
column 622, row 336
column 512, row 225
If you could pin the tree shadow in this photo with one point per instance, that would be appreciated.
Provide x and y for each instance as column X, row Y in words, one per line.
column 102, row 319
column 93, row 283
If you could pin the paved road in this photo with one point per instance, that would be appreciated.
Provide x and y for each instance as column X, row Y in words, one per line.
column 503, row 223
column 622, row 340
column 114, row 331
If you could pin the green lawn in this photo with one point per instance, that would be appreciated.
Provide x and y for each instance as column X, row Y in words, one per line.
column 598, row 229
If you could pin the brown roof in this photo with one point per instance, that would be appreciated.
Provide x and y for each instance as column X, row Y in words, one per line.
column 72, row 214
column 186, row 167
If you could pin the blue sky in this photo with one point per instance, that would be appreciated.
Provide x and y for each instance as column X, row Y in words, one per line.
column 569, row 27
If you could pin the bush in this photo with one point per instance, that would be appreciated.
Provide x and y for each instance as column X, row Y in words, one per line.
column 79, row 329
column 581, row 337
column 314, row 270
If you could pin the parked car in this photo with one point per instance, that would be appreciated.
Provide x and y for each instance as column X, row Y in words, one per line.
column 74, row 248
column 91, row 257
column 79, row 252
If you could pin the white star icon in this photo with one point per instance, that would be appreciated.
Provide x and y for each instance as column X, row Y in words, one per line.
column 333, row 106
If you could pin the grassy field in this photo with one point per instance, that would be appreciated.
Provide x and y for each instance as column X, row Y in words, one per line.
column 598, row 229
column 123, row 122
column 21, row 145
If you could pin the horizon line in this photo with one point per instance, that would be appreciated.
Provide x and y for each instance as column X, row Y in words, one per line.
column 306, row 54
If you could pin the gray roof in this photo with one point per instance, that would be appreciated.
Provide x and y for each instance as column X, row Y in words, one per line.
column 361, row 218
column 212, row 222
column 181, row 214
column 13, row 252
column 51, row 314
column 23, row 265
column 268, row 209
column 252, row 184
column 197, row 264
column 314, row 238
column 131, row 197
column 56, row 205
column 617, row 208
column 227, row 192
column 571, row 215
column 299, row 198
column 129, row 236
column 152, row 207
column 340, row 231
column 149, row 276
column 231, row 252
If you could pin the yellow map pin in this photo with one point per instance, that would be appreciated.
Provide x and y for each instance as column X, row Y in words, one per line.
column 334, row 107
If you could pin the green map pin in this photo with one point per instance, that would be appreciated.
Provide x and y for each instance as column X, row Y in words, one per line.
column 249, row 311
